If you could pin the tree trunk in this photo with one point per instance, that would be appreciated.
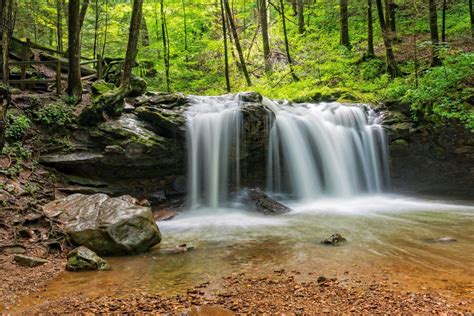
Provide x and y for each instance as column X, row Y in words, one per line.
column 433, row 14
column 96, row 28
column 265, row 37
column 166, row 49
column 237, row 42
column 85, row 5
column 344, row 21
column 106, row 29
column 393, row 24
column 59, row 25
column 226, row 53
column 6, row 16
column 443, row 23
column 287, row 45
column 471, row 15
column 185, row 29
column 300, row 16
column 370, row 31
column 132, row 46
column 391, row 63
column 144, row 33
column 74, row 85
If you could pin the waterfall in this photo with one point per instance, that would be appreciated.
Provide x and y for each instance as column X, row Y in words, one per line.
column 326, row 149
column 213, row 133
column 313, row 150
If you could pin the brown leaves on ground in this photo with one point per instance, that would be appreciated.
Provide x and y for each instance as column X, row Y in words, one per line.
column 275, row 294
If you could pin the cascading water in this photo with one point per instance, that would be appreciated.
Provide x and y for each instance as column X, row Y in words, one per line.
column 213, row 127
column 314, row 150
column 325, row 149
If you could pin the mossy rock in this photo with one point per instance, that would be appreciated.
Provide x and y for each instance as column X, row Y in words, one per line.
column 111, row 102
column 137, row 86
column 101, row 87
column 84, row 259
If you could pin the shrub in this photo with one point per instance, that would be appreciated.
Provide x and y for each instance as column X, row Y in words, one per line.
column 55, row 115
column 17, row 126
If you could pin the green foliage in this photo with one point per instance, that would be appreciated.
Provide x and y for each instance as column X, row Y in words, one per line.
column 55, row 115
column 18, row 154
column 443, row 92
column 18, row 125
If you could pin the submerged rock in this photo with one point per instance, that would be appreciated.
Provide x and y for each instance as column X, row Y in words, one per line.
column 178, row 249
column 333, row 240
column 84, row 259
column 30, row 262
column 108, row 226
column 265, row 204
column 445, row 239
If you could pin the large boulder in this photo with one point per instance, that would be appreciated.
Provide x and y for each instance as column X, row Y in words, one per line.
column 108, row 226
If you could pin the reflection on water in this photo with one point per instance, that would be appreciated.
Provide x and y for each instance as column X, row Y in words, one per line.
column 383, row 233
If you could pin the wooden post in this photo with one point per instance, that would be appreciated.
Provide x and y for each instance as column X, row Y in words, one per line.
column 25, row 57
column 58, row 77
column 99, row 67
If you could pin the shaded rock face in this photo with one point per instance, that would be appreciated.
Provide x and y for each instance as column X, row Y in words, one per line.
column 427, row 159
column 143, row 152
column 265, row 204
column 108, row 226
column 84, row 259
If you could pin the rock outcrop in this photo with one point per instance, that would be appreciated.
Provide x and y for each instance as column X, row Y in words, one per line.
column 108, row 226
column 84, row 259
column 265, row 204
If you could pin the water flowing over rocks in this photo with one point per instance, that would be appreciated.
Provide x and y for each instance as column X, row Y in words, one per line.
column 108, row 226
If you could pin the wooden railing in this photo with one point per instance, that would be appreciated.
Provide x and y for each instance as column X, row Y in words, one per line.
column 57, row 64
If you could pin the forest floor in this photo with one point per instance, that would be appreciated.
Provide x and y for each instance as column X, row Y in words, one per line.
column 279, row 292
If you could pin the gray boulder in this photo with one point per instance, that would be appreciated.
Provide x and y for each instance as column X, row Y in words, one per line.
column 108, row 226
column 30, row 262
column 265, row 204
column 84, row 259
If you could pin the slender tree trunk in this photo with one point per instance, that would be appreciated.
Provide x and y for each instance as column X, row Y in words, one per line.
column 85, row 5
column 265, row 38
column 166, row 49
column 391, row 63
column 74, row 84
column 185, row 31
column 144, row 33
column 415, row 42
column 344, row 21
column 370, row 30
column 287, row 45
column 6, row 30
column 393, row 24
column 237, row 42
column 433, row 14
column 294, row 6
column 300, row 16
column 59, row 25
column 96, row 27
column 104, row 44
column 471, row 16
column 443, row 23
column 132, row 46
column 226, row 53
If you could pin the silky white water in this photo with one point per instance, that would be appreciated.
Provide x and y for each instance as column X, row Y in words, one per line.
column 326, row 149
column 314, row 150
column 213, row 127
